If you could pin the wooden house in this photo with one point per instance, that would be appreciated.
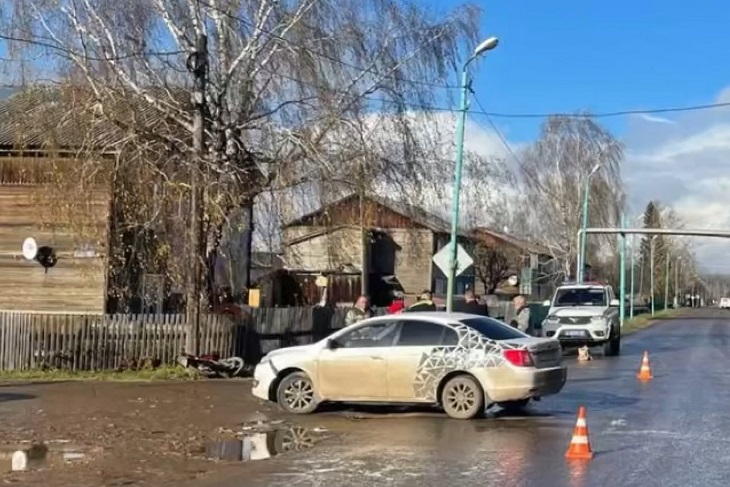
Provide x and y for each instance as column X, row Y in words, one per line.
column 385, row 240
column 69, row 218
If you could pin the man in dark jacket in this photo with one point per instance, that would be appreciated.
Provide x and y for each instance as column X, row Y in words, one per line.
column 471, row 305
column 424, row 303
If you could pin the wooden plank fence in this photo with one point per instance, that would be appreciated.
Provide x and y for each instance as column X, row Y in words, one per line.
column 100, row 342
column 106, row 342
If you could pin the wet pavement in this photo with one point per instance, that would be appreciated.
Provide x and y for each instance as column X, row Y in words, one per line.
column 671, row 431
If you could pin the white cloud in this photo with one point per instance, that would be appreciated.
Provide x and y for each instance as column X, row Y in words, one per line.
column 685, row 164
column 654, row 119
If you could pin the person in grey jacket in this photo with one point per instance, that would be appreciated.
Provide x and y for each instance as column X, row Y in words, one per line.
column 521, row 319
column 359, row 312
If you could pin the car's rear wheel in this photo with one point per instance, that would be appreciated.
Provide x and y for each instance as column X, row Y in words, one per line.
column 295, row 394
column 462, row 397
column 514, row 406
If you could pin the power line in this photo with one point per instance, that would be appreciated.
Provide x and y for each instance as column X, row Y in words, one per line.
column 71, row 52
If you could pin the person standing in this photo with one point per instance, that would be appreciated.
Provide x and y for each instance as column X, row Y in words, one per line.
column 359, row 312
column 471, row 305
column 424, row 303
column 397, row 305
column 521, row 319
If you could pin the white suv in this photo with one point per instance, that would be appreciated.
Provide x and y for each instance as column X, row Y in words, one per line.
column 584, row 314
column 724, row 303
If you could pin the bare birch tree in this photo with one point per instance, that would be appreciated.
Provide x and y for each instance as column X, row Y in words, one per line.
column 290, row 87
column 554, row 171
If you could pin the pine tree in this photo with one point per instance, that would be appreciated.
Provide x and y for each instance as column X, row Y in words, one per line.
column 652, row 219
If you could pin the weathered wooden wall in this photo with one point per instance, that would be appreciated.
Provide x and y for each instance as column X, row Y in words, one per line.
column 75, row 283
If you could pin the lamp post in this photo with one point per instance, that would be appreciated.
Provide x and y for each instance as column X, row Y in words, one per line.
column 586, row 195
column 485, row 46
column 651, row 264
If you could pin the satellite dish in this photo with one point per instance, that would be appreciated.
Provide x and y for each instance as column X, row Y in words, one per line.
column 512, row 280
column 30, row 248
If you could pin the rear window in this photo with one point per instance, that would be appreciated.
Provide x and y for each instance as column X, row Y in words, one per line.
column 493, row 329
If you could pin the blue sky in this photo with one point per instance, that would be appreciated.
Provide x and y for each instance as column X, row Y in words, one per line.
column 602, row 56
column 564, row 56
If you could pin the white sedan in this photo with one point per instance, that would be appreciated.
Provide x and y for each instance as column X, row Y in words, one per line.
column 464, row 363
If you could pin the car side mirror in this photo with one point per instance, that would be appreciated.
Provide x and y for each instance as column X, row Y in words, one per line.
column 333, row 344
column 615, row 303
column 546, row 303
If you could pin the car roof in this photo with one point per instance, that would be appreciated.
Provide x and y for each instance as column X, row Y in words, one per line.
column 441, row 316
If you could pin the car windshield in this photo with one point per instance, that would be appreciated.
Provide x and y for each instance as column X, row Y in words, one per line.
column 492, row 329
column 580, row 296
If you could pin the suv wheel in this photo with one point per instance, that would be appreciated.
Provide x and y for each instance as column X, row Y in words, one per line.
column 612, row 347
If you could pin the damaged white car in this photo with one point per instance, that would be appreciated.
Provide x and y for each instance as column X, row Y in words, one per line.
column 461, row 362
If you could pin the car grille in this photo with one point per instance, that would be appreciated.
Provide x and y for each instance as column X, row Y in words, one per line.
column 574, row 320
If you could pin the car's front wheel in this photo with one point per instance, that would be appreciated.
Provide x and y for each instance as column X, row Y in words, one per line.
column 612, row 348
column 295, row 394
column 462, row 397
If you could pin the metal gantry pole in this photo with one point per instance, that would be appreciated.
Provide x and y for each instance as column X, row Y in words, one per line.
column 666, row 280
column 582, row 249
column 651, row 264
column 622, row 274
column 631, row 259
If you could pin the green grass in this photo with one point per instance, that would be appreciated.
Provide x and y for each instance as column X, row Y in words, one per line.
column 645, row 320
column 161, row 373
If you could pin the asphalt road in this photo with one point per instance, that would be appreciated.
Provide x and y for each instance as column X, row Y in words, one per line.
column 669, row 432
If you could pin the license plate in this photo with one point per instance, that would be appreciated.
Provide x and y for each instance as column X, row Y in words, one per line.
column 574, row 333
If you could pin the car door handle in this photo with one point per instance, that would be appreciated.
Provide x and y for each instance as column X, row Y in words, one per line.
column 375, row 357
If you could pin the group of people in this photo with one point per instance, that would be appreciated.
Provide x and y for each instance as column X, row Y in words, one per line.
column 471, row 305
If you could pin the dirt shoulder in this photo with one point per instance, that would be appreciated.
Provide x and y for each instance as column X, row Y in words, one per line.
column 130, row 433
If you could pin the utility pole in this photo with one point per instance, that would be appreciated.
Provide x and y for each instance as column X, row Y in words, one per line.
column 198, row 65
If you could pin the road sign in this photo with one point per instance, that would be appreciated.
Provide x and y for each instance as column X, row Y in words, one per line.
column 443, row 260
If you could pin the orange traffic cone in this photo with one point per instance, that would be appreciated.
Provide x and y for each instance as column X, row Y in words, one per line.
column 645, row 370
column 580, row 447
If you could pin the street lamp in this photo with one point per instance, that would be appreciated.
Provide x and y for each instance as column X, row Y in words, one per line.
column 651, row 258
column 586, row 194
column 485, row 46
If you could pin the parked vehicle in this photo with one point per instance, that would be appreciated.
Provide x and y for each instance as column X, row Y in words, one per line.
column 724, row 303
column 464, row 363
column 585, row 314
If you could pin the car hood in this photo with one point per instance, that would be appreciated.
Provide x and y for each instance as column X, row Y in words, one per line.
column 298, row 349
column 578, row 311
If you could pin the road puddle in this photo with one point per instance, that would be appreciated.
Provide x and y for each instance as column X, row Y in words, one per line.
column 263, row 445
column 33, row 456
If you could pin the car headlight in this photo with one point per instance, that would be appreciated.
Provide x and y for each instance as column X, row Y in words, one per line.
column 551, row 319
column 599, row 320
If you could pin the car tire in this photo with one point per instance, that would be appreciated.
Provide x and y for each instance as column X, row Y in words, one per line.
column 612, row 348
column 462, row 397
column 514, row 406
column 296, row 394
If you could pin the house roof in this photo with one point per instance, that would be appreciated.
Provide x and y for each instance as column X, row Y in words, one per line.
column 69, row 118
column 511, row 239
column 414, row 213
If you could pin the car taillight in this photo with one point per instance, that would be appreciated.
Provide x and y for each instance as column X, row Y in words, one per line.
column 520, row 358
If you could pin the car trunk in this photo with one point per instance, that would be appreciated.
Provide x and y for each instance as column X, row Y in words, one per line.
column 545, row 353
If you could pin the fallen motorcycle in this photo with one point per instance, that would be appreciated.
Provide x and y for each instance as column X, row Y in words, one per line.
column 212, row 366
